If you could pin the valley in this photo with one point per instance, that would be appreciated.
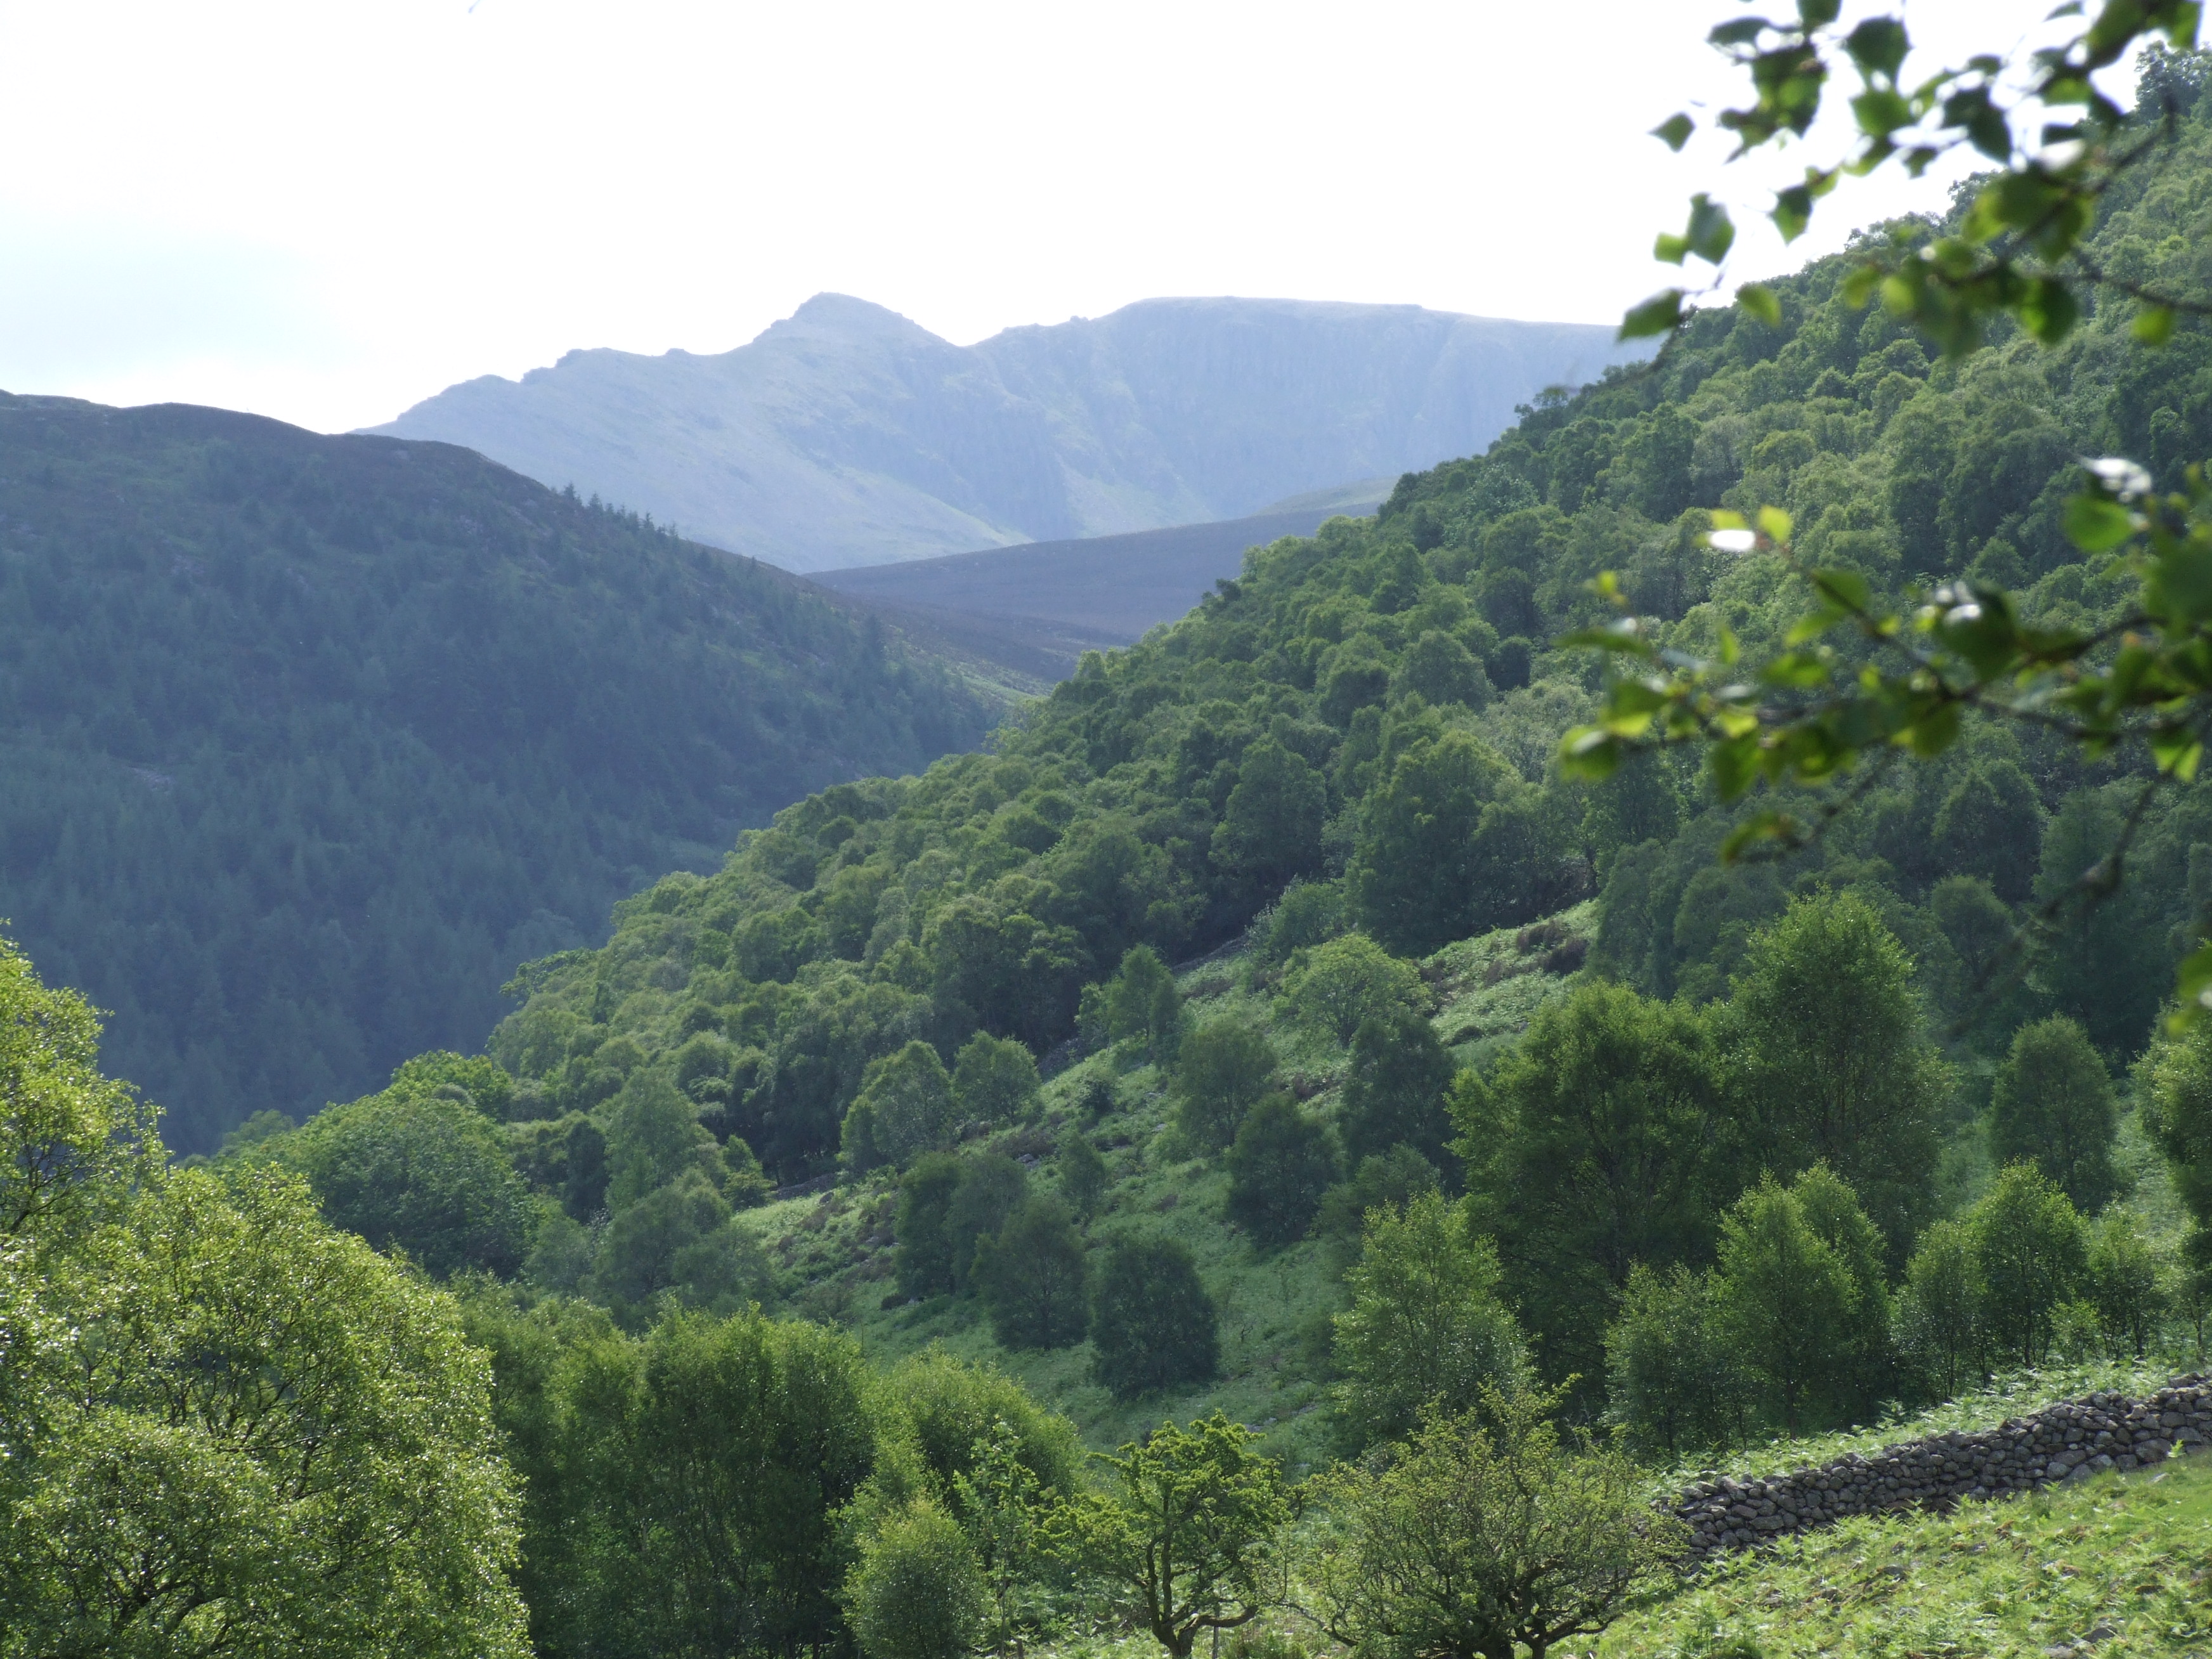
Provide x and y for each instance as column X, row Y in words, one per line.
column 1592, row 1046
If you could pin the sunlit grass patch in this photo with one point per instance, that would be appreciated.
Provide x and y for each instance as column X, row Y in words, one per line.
column 2116, row 1564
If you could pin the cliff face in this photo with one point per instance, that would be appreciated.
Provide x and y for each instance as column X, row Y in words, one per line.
column 846, row 435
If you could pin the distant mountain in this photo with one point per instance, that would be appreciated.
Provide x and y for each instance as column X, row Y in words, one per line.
column 305, row 743
column 1037, row 607
column 846, row 435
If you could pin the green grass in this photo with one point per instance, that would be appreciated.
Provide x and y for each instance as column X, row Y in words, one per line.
column 832, row 1255
column 2116, row 1564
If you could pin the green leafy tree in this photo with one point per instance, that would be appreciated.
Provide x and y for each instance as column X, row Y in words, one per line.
column 1002, row 1507
column 1082, row 1176
column 1412, row 878
column 1788, row 1299
column 1826, row 1035
column 238, row 1431
column 69, row 1139
column 923, row 1258
column 473, row 1080
column 1673, row 1379
column 1487, row 1533
column 1340, row 985
column 1270, row 827
column 1394, row 1095
column 992, row 1188
column 917, row 1591
column 1308, row 913
column 1832, row 1210
column 1285, row 1160
column 653, row 1136
column 1033, row 1278
column 993, row 1081
column 1425, row 1325
column 1223, row 1069
column 1390, row 1180
column 1601, row 1140
column 1188, row 1531
column 419, row 1173
column 2050, row 1104
column 1140, row 1005
column 1941, row 1308
column 1439, row 669
column 2029, row 1250
column 678, row 1240
column 904, row 1108
column 2178, row 1097
column 1152, row 1325
column 2122, row 1275
column 736, row 1445
column 951, row 1410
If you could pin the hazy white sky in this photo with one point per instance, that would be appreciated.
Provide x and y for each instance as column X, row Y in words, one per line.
column 326, row 209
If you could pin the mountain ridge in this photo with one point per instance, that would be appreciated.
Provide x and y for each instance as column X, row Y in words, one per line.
column 846, row 434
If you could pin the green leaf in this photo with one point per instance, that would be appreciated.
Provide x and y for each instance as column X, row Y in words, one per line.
column 1660, row 314
column 1758, row 301
column 1793, row 211
column 2177, row 750
column 1817, row 14
column 1878, row 46
column 2095, row 525
column 1768, row 824
column 1739, row 31
column 2192, row 980
column 1675, row 131
column 1859, row 286
column 1735, row 763
column 1934, row 732
column 2180, row 582
column 2048, row 311
column 1710, row 232
column 1775, row 525
column 1971, row 109
column 1800, row 670
column 2154, row 325
column 1881, row 111
column 1843, row 587
column 1590, row 753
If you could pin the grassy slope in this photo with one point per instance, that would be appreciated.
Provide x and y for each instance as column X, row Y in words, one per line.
column 2118, row 1562
column 833, row 1254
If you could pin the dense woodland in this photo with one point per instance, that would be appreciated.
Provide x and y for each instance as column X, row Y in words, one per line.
column 305, row 742
column 1278, row 946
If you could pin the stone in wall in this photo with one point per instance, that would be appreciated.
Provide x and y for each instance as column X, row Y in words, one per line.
column 2064, row 1441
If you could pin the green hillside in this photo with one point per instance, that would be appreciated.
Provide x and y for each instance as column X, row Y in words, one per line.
column 1384, row 688
column 305, row 741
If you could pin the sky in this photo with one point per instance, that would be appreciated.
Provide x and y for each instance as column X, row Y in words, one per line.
column 326, row 210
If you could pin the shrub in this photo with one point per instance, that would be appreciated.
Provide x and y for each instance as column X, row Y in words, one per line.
column 1151, row 1322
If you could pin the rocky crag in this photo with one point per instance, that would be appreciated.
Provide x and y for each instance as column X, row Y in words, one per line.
column 2066, row 1441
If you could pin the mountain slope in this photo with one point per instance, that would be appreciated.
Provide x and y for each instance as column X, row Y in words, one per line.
column 1039, row 606
column 306, row 741
column 1355, row 742
column 846, row 435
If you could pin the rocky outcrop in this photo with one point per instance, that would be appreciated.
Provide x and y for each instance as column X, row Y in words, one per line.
column 2065, row 1441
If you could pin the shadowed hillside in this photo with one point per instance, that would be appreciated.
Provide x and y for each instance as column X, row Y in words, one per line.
column 306, row 741
column 1038, row 608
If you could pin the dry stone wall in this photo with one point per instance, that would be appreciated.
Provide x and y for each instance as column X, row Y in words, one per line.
column 2065, row 1441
